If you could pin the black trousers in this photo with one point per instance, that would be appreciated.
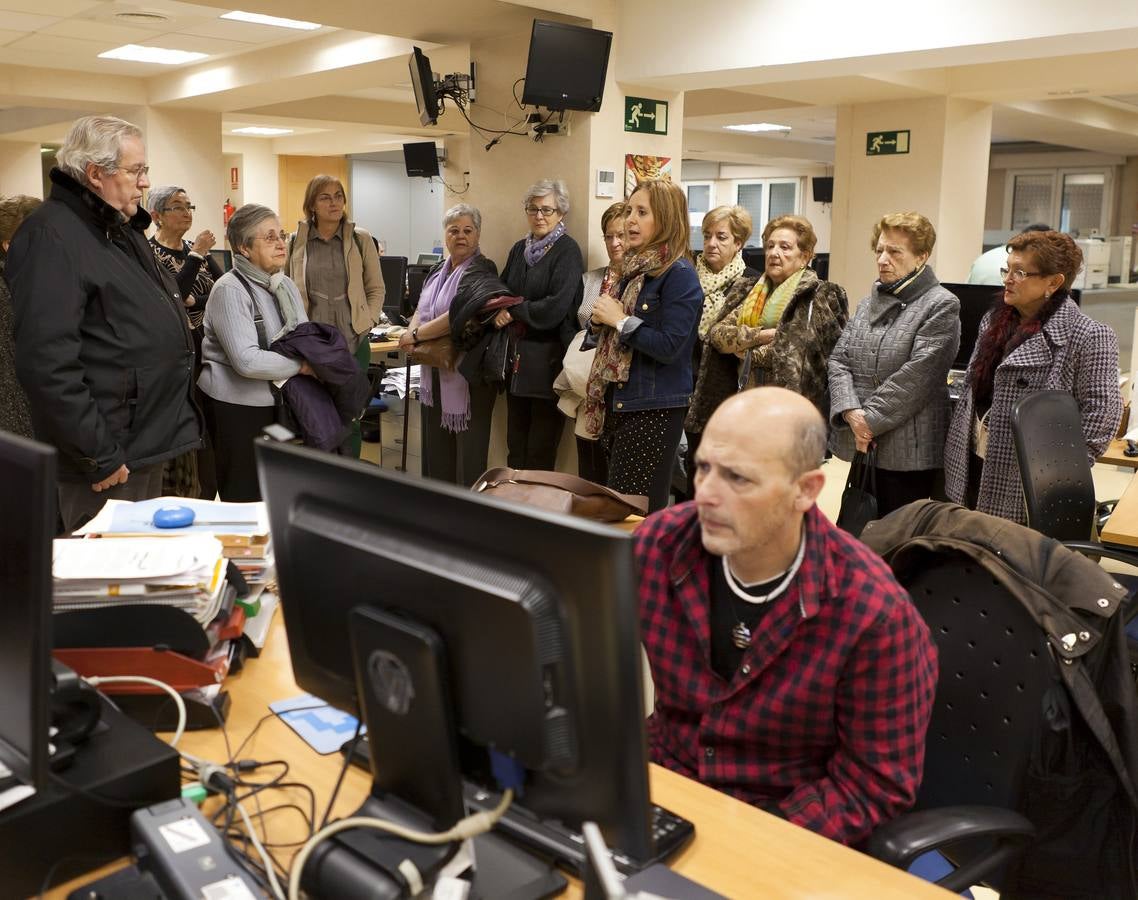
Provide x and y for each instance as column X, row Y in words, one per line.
column 642, row 451
column 533, row 430
column 896, row 488
column 456, row 458
column 592, row 461
column 233, row 429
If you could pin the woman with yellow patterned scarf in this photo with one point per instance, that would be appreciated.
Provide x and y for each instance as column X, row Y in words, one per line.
column 777, row 329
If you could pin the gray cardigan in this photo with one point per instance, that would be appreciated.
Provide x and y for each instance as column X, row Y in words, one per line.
column 892, row 361
column 234, row 367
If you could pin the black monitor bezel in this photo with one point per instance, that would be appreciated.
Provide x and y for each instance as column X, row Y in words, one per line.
column 536, row 92
column 423, row 86
column 416, row 156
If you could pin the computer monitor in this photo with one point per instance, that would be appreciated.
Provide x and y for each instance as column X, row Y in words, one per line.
column 223, row 258
column 423, row 86
column 566, row 67
column 975, row 301
column 27, row 476
column 394, row 271
column 428, row 259
column 421, row 159
column 416, row 278
column 536, row 612
column 823, row 188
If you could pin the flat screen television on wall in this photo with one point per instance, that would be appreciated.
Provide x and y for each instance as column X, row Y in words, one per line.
column 567, row 66
column 423, row 84
column 421, row 160
column 823, row 189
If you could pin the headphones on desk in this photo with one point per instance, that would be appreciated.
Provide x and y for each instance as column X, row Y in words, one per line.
column 75, row 706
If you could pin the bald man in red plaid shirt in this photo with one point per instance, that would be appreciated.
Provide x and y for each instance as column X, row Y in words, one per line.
column 791, row 669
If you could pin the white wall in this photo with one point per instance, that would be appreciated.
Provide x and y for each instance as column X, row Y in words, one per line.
column 259, row 175
column 405, row 214
column 21, row 169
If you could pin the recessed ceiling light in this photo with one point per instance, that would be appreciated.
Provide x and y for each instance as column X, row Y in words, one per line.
column 261, row 131
column 136, row 53
column 758, row 126
column 141, row 18
column 258, row 19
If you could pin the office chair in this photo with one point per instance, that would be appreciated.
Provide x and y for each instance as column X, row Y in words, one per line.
column 1058, row 487
column 995, row 672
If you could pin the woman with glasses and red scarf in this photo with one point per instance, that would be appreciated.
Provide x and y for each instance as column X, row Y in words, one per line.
column 1035, row 338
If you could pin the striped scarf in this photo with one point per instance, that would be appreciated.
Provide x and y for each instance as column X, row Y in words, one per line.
column 763, row 307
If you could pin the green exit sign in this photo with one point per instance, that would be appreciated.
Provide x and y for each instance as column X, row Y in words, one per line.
column 885, row 143
column 645, row 116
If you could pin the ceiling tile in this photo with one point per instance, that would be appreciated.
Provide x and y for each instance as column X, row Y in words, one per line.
column 116, row 35
column 195, row 44
column 227, row 29
column 60, row 47
column 6, row 37
column 19, row 21
column 58, row 8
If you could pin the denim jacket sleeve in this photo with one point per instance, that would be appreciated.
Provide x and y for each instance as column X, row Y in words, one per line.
column 669, row 308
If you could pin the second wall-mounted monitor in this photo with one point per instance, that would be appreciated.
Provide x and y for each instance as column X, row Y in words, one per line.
column 567, row 66
column 423, row 84
column 823, row 189
column 421, row 160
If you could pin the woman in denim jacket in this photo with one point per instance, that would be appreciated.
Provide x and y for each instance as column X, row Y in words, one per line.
column 641, row 380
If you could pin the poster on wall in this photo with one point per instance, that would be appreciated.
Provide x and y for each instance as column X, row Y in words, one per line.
column 637, row 168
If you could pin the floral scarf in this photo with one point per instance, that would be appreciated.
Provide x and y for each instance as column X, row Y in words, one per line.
column 763, row 307
column 715, row 286
column 536, row 250
column 613, row 359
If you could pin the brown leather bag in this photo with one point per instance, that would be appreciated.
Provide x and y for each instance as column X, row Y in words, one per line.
column 439, row 352
column 559, row 492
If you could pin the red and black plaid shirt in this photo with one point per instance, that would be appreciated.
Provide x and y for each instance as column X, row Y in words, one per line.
column 825, row 719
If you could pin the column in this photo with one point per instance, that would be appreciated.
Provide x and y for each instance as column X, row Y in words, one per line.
column 944, row 176
column 21, row 168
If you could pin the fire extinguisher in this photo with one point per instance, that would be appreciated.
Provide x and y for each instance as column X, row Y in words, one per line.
column 227, row 212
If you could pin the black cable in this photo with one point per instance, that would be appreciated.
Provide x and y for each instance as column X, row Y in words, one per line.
column 514, row 91
column 261, row 721
column 343, row 770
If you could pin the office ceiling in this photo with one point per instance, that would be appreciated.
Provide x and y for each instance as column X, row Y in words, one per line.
column 344, row 87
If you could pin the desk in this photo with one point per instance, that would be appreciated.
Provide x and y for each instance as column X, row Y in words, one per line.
column 1115, row 457
column 738, row 850
column 1122, row 526
column 380, row 348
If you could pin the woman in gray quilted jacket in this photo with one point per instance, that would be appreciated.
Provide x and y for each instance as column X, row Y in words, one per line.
column 889, row 369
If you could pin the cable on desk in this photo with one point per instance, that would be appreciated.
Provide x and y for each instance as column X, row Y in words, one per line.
column 343, row 769
column 471, row 826
column 99, row 680
column 270, row 870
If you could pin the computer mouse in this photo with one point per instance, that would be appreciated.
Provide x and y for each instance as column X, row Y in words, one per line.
column 173, row 517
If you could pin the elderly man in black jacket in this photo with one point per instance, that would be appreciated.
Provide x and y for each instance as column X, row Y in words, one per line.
column 103, row 346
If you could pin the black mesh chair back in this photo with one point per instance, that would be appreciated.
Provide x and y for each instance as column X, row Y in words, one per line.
column 996, row 669
column 1057, row 486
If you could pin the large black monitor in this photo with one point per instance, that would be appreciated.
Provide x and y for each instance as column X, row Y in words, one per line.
column 394, row 271
column 416, row 278
column 421, row 159
column 566, row 67
column 975, row 301
column 423, row 85
column 536, row 613
column 27, row 528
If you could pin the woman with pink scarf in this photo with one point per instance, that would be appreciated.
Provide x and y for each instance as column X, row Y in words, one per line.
column 455, row 413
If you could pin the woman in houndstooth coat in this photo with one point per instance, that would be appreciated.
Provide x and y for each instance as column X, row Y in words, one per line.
column 1035, row 339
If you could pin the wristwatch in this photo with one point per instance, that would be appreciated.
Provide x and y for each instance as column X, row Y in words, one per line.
column 415, row 334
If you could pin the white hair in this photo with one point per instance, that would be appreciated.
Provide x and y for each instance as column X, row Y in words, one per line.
column 547, row 186
column 94, row 139
column 459, row 210
column 158, row 197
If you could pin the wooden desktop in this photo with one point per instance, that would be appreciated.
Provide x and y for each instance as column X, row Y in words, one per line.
column 738, row 850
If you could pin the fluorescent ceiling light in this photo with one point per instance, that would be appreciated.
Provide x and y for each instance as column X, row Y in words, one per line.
column 758, row 126
column 135, row 53
column 258, row 19
column 261, row 131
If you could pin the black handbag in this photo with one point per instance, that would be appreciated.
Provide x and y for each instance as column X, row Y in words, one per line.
column 859, row 499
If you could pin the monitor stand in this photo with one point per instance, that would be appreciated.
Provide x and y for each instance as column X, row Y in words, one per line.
column 401, row 680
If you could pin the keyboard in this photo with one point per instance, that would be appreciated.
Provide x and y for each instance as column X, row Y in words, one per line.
column 671, row 832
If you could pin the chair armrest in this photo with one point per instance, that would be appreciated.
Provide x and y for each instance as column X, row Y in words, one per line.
column 1110, row 551
column 902, row 840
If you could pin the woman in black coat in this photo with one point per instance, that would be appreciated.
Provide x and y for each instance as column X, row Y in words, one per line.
column 545, row 268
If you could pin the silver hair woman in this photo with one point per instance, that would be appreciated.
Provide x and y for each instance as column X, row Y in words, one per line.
column 456, row 412
column 94, row 140
column 237, row 366
column 545, row 268
column 173, row 212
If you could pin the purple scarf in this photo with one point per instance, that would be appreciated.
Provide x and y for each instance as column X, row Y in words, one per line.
column 436, row 298
column 535, row 250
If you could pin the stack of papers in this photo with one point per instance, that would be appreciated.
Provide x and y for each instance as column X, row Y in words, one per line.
column 187, row 572
column 395, row 381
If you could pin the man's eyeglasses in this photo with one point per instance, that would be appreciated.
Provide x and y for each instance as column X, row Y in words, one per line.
column 1017, row 275
column 546, row 211
column 273, row 238
column 136, row 172
column 328, row 198
column 180, row 209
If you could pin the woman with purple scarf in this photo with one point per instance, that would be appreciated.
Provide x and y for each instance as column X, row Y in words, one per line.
column 545, row 269
column 455, row 413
